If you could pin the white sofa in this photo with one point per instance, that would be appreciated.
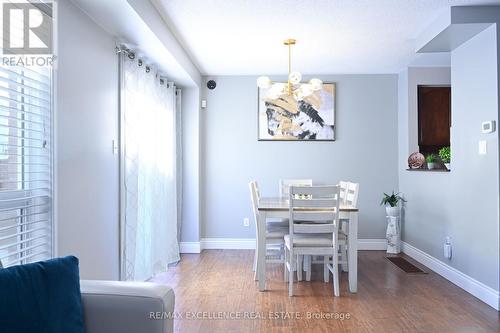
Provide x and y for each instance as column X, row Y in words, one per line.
column 127, row 307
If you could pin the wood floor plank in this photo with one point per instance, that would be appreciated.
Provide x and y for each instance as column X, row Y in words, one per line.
column 219, row 282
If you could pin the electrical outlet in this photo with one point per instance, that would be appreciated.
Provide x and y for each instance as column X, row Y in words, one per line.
column 447, row 248
column 246, row 222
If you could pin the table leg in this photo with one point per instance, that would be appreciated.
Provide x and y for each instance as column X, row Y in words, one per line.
column 261, row 252
column 353, row 252
column 343, row 250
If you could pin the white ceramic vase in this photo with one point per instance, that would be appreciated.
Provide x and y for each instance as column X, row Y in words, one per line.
column 393, row 235
column 392, row 211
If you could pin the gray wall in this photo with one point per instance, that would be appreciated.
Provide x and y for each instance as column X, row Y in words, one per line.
column 190, row 228
column 87, row 122
column 365, row 152
column 464, row 203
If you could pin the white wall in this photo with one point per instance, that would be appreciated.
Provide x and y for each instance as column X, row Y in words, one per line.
column 464, row 203
column 365, row 151
column 87, row 122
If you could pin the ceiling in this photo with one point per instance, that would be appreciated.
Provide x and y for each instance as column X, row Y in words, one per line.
column 244, row 37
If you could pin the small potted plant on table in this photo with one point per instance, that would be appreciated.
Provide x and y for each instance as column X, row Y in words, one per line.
column 445, row 155
column 391, row 203
column 431, row 161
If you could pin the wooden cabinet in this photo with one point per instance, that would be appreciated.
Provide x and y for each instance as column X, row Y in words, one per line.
column 434, row 118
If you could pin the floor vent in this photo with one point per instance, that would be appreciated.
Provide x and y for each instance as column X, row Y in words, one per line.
column 405, row 265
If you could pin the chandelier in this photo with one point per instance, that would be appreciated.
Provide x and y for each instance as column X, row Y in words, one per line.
column 293, row 87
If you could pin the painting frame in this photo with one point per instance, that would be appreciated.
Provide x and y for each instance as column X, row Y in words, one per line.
column 334, row 115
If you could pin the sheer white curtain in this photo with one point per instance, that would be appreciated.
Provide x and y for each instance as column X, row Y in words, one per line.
column 149, row 180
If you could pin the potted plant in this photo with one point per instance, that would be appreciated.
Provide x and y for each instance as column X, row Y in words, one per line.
column 391, row 203
column 431, row 161
column 445, row 155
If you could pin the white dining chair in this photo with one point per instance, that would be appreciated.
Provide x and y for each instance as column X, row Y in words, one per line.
column 274, row 232
column 313, row 230
column 348, row 197
column 349, row 193
column 286, row 183
column 284, row 193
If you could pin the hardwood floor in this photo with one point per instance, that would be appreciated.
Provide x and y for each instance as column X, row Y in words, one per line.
column 218, row 283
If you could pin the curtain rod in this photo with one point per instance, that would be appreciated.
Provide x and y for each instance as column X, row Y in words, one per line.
column 131, row 55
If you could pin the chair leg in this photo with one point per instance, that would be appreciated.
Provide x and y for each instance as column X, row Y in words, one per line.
column 343, row 257
column 290, row 274
column 254, row 268
column 335, row 271
column 299, row 267
column 256, row 273
column 285, row 270
column 326, row 270
column 308, row 267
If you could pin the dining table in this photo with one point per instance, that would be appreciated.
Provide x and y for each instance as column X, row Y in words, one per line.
column 272, row 208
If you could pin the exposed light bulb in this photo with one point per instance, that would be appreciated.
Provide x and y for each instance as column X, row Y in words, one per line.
column 305, row 90
column 316, row 84
column 264, row 82
column 295, row 77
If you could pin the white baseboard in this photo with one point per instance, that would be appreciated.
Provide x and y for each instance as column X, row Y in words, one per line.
column 372, row 244
column 249, row 244
column 189, row 247
column 228, row 243
column 487, row 294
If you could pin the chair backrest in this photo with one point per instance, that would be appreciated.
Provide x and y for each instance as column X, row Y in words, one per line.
column 286, row 183
column 314, row 209
column 349, row 193
column 254, row 197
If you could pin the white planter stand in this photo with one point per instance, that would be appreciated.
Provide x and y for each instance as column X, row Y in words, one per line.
column 393, row 234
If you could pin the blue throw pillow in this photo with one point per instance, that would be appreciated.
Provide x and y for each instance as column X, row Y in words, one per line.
column 43, row 297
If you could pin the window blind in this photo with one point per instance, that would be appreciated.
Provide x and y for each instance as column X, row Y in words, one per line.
column 25, row 164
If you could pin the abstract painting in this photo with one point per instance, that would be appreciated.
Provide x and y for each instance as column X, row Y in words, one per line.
column 285, row 118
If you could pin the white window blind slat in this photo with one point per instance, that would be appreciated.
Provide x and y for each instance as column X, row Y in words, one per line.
column 16, row 120
column 25, row 164
column 20, row 233
column 34, row 256
column 26, row 87
column 14, row 254
column 13, row 94
column 23, row 138
column 21, row 207
column 25, row 74
column 21, row 103
column 6, row 220
column 22, row 244
column 13, row 128
column 14, row 111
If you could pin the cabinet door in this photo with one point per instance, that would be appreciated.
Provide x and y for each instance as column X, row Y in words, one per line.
column 434, row 118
